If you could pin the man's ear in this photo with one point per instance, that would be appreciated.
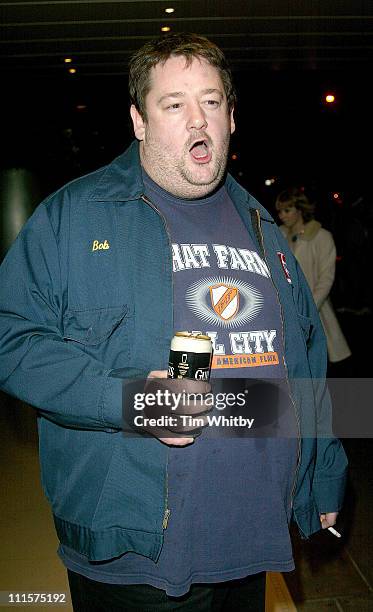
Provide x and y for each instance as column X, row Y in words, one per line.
column 233, row 125
column 138, row 123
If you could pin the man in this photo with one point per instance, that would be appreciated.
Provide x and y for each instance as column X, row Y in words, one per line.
column 101, row 276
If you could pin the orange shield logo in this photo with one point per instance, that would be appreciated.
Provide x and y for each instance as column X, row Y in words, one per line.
column 224, row 300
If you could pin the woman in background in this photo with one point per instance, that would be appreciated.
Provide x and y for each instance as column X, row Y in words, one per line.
column 314, row 248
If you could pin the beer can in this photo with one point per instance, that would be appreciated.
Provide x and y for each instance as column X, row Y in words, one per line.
column 190, row 356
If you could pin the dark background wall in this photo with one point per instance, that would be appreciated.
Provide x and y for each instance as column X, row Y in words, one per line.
column 64, row 127
column 58, row 129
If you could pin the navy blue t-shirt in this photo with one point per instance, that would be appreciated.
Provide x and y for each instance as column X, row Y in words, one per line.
column 229, row 497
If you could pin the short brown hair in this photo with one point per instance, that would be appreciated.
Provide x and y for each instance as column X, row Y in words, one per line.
column 297, row 198
column 160, row 50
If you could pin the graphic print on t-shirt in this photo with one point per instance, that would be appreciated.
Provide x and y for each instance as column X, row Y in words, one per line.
column 222, row 286
column 227, row 302
column 223, row 301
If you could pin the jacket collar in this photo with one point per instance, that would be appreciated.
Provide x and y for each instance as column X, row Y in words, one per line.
column 310, row 230
column 121, row 181
column 308, row 233
column 238, row 193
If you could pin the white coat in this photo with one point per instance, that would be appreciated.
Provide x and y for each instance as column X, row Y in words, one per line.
column 316, row 253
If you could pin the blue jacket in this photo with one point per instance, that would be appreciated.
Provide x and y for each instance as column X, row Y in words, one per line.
column 86, row 300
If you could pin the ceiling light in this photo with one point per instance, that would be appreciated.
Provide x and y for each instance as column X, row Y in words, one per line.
column 72, row 70
column 165, row 29
column 330, row 98
column 67, row 60
column 169, row 10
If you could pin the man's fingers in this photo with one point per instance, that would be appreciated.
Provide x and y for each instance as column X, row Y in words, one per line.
column 158, row 374
column 175, row 386
column 175, row 409
column 328, row 519
column 177, row 441
column 188, row 385
column 187, row 423
column 177, row 396
column 191, row 410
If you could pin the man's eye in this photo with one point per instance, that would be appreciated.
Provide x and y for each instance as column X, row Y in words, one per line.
column 212, row 103
column 174, row 106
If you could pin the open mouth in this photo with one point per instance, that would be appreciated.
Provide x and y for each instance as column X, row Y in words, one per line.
column 200, row 151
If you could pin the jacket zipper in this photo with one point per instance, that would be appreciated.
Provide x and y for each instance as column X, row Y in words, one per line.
column 167, row 511
column 285, row 365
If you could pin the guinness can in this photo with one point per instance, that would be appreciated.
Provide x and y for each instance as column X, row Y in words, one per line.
column 190, row 356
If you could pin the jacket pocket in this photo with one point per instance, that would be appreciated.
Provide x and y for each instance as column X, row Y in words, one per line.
column 91, row 327
column 106, row 334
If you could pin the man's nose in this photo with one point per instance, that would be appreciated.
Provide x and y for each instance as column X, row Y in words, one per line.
column 197, row 118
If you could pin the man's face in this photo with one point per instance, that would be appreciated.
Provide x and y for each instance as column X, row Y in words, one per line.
column 184, row 140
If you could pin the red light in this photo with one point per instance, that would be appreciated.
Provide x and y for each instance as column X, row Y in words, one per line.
column 337, row 198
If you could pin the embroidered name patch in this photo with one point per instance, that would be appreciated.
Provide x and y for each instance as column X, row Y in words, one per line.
column 98, row 246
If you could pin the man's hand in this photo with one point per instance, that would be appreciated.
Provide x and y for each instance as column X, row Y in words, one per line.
column 328, row 519
column 184, row 408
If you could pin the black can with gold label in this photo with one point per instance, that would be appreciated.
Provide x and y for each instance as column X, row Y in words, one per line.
column 190, row 356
